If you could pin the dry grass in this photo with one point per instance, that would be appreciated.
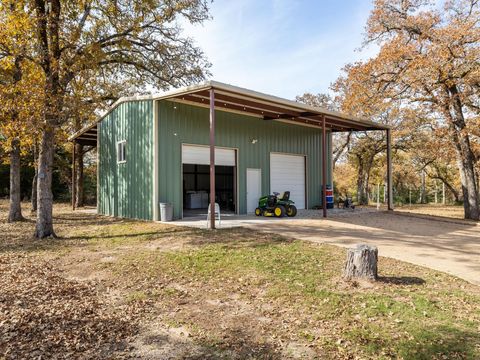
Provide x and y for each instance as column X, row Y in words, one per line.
column 172, row 292
column 449, row 211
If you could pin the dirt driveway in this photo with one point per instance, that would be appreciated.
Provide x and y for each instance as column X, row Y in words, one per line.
column 450, row 247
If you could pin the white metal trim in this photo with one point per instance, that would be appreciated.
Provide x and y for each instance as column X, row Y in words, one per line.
column 156, row 149
column 125, row 160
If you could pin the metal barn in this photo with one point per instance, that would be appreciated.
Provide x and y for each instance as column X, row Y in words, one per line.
column 211, row 143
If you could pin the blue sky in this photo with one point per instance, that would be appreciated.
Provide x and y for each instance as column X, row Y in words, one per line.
column 283, row 47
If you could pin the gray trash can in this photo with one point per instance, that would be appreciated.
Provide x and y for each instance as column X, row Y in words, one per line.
column 166, row 212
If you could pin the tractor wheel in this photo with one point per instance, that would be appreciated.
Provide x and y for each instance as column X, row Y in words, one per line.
column 258, row 212
column 291, row 211
column 279, row 211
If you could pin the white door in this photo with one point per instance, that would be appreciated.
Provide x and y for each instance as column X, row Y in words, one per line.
column 200, row 155
column 287, row 173
column 254, row 188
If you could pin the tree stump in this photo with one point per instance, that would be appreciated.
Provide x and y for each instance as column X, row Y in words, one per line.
column 361, row 262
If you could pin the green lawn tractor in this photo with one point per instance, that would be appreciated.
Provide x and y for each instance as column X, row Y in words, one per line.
column 275, row 205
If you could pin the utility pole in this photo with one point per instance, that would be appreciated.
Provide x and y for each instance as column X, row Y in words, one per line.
column 410, row 196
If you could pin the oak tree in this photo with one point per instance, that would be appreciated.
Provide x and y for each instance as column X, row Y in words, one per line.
column 20, row 93
column 429, row 58
column 138, row 39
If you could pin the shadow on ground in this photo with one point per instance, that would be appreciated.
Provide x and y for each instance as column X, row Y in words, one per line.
column 441, row 342
column 235, row 344
column 401, row 280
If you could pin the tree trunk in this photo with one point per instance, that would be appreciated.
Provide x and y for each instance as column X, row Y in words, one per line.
column 363, row 178
column 368, row 170
column 78, row 183
column 44, row 226
column 385, row 191
column 33, row 198
column 338, row 151
column 469, row 187
column 34, row 191
column 423, row 198
column 450, row 187
column 454, row 192
column 465, row 156
column 15, row 213
column 361, row 262
column 49, row 47
column 360, row 181
column 443, row 194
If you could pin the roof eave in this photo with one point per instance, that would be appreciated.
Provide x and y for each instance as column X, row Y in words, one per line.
column 369, row 125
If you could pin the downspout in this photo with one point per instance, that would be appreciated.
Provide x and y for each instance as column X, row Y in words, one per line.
column 156, row 149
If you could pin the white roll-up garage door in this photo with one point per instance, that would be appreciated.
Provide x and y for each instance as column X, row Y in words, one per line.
column 200, row 155
column 287, row 173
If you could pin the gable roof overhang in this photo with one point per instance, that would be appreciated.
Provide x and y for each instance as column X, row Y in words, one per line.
column 239, row 100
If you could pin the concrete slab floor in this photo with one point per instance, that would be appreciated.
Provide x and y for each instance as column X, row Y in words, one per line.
column 232, row 220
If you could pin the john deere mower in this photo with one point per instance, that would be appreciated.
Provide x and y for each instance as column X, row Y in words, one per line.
column 275, row 205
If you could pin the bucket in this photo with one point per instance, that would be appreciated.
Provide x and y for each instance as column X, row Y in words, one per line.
column 166, row 212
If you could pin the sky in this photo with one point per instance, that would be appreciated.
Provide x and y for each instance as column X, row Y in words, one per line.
column 283, row 47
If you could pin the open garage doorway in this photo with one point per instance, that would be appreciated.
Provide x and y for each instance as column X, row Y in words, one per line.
column 196, row 180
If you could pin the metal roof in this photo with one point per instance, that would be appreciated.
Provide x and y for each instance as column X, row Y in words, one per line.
column 239, row 100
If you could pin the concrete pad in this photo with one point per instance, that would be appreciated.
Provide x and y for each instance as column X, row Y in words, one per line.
column 232, row 220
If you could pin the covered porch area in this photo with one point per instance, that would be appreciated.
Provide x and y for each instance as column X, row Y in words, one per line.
column 217, row 96
column 84, row 141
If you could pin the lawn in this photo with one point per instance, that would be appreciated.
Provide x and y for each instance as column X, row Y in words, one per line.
column 449, row 211
column 110, row 288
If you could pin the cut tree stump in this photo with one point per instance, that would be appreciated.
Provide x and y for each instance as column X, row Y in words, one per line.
column 361, row 262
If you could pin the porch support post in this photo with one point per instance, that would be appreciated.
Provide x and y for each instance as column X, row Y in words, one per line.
column 212, row 159
column 74, row 175
column 389, row 170
column 324, row 167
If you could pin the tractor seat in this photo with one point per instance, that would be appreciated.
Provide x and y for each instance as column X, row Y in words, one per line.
column 285, row 196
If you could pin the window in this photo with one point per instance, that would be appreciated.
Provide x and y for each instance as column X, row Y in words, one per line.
column 121, row 151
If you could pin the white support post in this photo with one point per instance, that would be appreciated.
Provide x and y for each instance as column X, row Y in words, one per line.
column 212, row 159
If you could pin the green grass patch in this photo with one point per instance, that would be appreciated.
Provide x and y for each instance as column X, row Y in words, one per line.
column 412, row 320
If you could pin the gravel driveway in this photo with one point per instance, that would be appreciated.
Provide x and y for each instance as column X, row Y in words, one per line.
column 446, row 246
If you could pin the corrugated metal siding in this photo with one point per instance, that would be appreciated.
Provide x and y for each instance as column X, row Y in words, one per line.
column 126, row 189
column 190, row 124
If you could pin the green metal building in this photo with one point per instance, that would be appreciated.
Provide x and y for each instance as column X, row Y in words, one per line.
column 157, row 149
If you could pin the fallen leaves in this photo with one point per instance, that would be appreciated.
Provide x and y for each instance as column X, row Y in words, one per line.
column 43, row 315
